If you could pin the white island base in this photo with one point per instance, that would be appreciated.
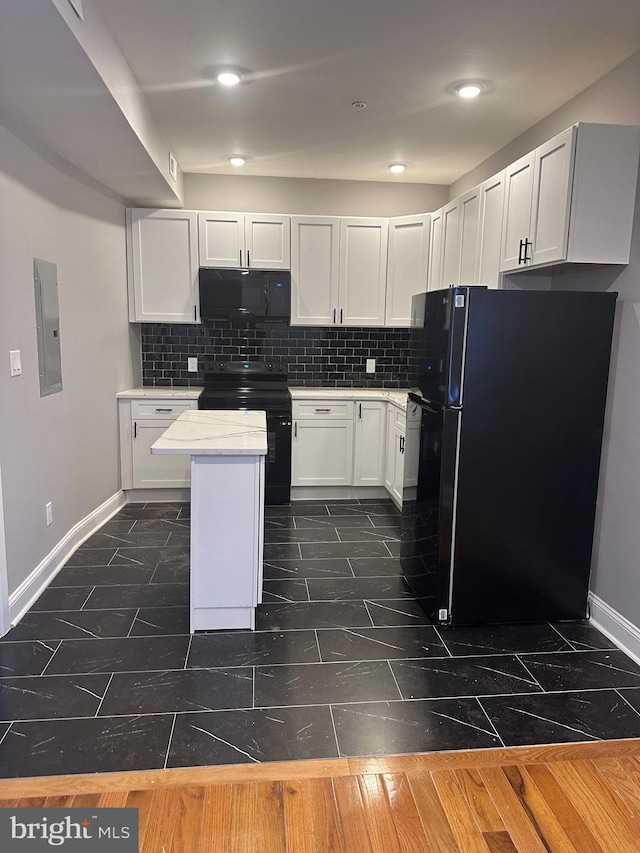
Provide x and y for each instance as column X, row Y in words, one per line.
column 228, row 450
column 227, row 510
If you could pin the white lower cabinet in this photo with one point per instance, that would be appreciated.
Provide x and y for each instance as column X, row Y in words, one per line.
column 366, row 442
column 394, row 468
column 141, row 423
column 369, row 445
column 322, row 445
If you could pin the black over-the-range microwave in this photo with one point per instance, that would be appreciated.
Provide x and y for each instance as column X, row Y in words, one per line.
column 248, row 294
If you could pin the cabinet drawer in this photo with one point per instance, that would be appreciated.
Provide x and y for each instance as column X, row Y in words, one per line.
column 333, row 409
column 165, row 409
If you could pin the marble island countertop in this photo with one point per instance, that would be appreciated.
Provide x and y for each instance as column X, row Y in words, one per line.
column 215, row 433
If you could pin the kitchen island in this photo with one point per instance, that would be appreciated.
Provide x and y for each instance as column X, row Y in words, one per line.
column 227, row 450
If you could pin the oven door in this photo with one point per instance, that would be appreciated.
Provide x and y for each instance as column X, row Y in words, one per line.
column 278, row 461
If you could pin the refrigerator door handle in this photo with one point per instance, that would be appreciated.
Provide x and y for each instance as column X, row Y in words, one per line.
column 428, row 405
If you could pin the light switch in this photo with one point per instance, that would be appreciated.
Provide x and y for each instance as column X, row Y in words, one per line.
column 16, row 362
column 371, row 365
column 192, row 365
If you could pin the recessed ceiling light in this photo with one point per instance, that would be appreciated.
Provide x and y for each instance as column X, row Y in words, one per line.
column 397, row 168
column 230, row 77
column 470, row 89
column 237, row 161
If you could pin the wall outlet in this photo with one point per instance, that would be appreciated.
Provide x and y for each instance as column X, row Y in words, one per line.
column 192, row 365
column 371, row 365
column 16, row 362
column 49, row 511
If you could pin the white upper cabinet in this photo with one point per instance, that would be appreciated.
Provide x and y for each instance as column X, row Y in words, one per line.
column 470, row 209
column 268, row 241
column 163, row 266
column 517, row 210
column 572, row 199
column 315, row 265
column 363, row 271
column 491, row 211
column 434, row 277
column 407, row 265
column 262, row 241
column 339, row 271
column 451, row 243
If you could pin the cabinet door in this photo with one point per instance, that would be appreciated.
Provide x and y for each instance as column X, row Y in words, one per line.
column 397, row 485
column 552, row 180
column 492, row 208
column 369, row 447
column 221, row 239
column 517, row 210
column 163, row 266
column 363, row 271
column 268, row 241
column 166, row 471
column 469, row 236
column 322, row 453
column 451, row 244
column 435, row 252
column 390, row 450
column 407, row 266
column 315, row 265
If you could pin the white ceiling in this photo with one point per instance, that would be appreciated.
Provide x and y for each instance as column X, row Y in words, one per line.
column 310, row 59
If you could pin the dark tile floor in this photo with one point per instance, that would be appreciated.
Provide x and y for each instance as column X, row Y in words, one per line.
column 103, row 675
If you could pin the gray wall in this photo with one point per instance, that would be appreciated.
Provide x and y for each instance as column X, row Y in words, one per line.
column 616, row 563
column 62, row 448
column 312, row 196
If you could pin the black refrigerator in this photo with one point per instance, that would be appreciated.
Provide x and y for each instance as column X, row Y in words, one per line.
column 511, row 388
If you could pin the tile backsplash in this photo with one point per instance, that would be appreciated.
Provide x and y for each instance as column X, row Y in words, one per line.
column 332, row 356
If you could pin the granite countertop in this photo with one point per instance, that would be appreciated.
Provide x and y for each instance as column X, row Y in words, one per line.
column 161, row 393
column 215, row 433
column 390, row 395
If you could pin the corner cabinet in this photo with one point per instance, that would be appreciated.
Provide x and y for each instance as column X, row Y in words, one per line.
column 408, row 264
column 142, row 422
column 572, row 199
column 247, row 240
column 162, row 259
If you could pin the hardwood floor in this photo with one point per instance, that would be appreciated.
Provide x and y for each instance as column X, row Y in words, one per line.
column 582, row 798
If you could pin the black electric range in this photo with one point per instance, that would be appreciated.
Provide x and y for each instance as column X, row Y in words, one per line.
column 261, row 386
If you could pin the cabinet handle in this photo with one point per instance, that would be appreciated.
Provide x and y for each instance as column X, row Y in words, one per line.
column 295, row 429
column 195, row 312
column 527, row 243
column 341, row 315
column 322, row 410
column 164, row 410
column 248, row 258
column 360, row 410
column 334, row 315
column 135, row 429
column 240, row 257
column 520, row 248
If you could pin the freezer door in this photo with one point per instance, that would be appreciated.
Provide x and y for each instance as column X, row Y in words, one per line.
column 438, row 344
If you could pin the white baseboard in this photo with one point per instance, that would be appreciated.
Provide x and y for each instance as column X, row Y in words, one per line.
column 24, row 596
column 615, row 626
